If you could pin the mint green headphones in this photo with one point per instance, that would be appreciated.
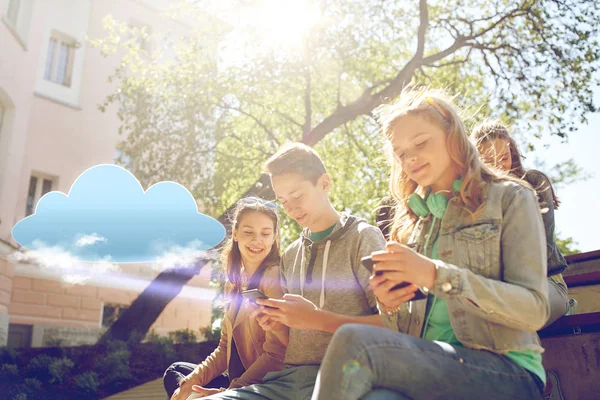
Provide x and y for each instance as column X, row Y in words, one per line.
column 434, row 204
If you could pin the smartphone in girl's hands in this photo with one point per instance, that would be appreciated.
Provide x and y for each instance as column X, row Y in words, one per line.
column 369, row 264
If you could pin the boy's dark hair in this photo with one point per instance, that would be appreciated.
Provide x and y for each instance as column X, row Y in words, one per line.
column 299, row 158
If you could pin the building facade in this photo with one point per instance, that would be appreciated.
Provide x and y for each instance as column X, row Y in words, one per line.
column 51, row 130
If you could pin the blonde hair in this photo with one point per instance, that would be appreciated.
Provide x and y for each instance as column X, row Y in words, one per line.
column 438, row 108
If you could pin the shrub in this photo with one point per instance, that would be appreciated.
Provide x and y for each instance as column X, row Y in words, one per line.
column 153, row 337
column 87, row 383
column 8, row 372
column 59, row 370
column 8, row 355
column 163, row 347
column 114, row 367
column 183, row 336
column 212, row 332
column 134, row 339
column 39, row 367
column 30, row 389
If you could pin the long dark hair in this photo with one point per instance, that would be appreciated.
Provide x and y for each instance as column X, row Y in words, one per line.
column 230, row 254
column 487, row 131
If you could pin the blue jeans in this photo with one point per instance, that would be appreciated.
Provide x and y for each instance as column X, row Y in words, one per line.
column 383, row 394
column 177, row 371
column 362, row 358
column 293, row 383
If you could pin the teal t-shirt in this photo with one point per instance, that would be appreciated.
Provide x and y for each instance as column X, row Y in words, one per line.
column 438, row 327
column 316, row 236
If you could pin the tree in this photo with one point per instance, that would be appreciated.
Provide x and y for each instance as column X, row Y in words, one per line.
column 566, row 246
column 530, row 61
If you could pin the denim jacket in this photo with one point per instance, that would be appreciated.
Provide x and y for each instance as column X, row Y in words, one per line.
column 491, row 272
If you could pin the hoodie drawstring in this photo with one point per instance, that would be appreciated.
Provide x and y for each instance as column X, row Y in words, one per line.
column 325, row 256
column 300, row 250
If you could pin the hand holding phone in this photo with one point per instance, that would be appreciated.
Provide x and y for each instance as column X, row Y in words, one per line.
column 369, row 264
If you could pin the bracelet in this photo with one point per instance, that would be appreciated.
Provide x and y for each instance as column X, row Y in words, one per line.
column 390, row 311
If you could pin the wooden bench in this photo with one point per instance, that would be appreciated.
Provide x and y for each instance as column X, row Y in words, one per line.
column 573, row 342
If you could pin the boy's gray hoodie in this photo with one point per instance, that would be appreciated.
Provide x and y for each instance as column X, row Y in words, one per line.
column 329, row 273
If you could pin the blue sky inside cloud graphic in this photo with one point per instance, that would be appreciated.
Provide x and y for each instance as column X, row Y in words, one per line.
column 107, row 217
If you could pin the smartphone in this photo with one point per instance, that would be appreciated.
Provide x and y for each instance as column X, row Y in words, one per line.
column 254, row 294
column 368, row 263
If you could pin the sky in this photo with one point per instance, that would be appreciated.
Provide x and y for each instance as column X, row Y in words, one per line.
column 579, row 214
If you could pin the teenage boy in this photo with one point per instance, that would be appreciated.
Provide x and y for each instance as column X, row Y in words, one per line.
column 325, row 284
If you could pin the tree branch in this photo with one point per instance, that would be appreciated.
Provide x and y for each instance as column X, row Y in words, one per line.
column 281, row 114
column 258, row 122
column 517, row 12
column 461, row 41
column 367, row 101
column 353, row 139
column 424, row 16
column 307, row 103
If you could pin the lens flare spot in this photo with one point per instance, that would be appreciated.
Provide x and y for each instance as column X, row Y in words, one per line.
column 351, row 367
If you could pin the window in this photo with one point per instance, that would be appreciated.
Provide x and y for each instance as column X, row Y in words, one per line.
column 17, row 17
column 12, row 13
column 19, row 336
column 59, row 59
column 38, row 186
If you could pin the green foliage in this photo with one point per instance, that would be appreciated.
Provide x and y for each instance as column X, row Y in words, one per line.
column 59, row 370
column 87, row 383
column 8, row 372
column 567, row 246
column 8, row 355
column 210, row 123
column 217, row 281
column 162, row 346
column 135, row 337
column 152, row 336
column 39, row 367
column 183, row 336
column 32, row 386
column 567, row 172
column 114, row 367
column 49, row 369
column 213, row 332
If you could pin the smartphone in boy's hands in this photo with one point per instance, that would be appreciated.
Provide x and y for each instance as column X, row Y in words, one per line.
column 369, row 264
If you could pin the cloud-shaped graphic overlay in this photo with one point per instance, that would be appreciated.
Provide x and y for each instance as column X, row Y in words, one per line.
column 107, row 217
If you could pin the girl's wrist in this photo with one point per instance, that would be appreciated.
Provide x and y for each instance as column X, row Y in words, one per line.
column 389, row 310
